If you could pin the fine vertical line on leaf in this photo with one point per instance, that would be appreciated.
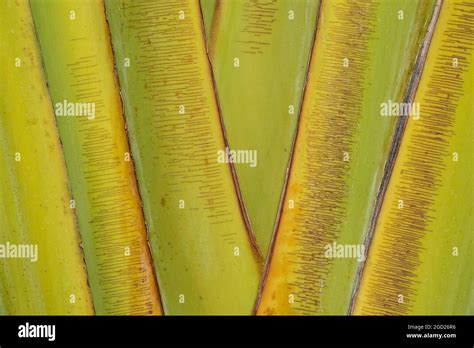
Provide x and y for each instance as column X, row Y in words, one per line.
column 290, row 165
column 155, row 279
column 393, row 153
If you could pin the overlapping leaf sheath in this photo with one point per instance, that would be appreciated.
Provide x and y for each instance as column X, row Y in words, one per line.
column 78, row 60
column 42, row 270
column 363, row 55
column 260, row 53
column 420, row 259
column 202, row 252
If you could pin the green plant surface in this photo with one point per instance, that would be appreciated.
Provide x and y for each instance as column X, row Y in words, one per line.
column 79, row 66
column 361, row 59
column 420, row 260
column 202, row 251
column 42, row 271
column 260, row 55
column 208, row 8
